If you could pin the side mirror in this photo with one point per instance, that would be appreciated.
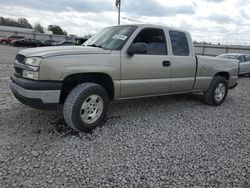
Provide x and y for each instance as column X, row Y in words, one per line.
column 138, row 48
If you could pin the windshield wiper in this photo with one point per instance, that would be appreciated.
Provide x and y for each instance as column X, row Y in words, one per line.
column 94, row 45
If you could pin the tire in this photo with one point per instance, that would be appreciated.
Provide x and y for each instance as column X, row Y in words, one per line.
column 217, row 92
column 85, row 107
column 4, row 43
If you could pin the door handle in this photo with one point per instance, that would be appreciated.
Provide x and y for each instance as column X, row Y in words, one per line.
column 166, row 63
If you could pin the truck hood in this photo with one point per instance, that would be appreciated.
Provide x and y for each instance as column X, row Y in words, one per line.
column 62, row 50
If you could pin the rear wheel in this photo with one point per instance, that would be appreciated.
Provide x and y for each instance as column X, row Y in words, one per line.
column 86, row 106
column 217, row 92
column 4, row 42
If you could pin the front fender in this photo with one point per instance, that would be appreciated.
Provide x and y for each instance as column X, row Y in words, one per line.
column 59, row 67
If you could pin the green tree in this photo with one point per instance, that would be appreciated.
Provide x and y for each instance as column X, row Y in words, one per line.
column 20, row 22
column 56, row 30
column 9, row 22
column 24, row 23
column 39, row 28
column 2, row 21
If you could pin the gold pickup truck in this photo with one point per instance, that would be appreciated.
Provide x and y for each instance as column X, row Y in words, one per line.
column 120, row 62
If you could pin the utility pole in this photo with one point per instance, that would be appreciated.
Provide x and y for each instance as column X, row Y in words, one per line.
column 118, row 5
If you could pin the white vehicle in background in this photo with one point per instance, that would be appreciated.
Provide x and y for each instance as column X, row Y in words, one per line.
column 244, row 61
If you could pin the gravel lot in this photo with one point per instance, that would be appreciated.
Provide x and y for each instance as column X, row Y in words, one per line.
column 173, row 141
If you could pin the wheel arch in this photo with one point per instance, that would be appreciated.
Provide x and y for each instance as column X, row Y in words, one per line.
column 71, row 81
column 226, row 75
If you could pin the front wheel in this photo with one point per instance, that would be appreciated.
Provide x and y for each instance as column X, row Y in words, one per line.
column 217, row 92
column 85, row 106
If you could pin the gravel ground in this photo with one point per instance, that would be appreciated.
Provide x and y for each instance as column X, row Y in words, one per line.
column 173, row 141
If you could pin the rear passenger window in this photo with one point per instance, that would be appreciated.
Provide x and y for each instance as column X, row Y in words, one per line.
column 155, row 39
column 179, row 43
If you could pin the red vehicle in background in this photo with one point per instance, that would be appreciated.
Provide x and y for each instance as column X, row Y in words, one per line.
column 10, row 39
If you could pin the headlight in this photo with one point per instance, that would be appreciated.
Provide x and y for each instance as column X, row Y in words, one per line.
column 30, row 74
column 33, row 61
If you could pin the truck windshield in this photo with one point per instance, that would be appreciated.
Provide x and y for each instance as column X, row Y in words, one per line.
column 111, row 38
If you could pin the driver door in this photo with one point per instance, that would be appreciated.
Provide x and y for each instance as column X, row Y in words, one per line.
column 146, row 74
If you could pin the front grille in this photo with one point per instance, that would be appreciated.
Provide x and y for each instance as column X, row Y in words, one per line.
column 20, row 58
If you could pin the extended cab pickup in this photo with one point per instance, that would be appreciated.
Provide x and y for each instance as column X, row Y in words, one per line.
column 120, row 62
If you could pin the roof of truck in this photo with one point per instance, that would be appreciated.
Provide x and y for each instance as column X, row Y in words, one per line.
column 154, row 25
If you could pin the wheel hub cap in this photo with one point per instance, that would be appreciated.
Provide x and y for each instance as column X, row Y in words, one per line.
column 91, row 109
column 220, row 92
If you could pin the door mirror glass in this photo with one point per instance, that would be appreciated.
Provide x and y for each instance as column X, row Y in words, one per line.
column 138, row 48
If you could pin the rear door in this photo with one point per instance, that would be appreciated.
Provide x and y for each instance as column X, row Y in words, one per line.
column 146, row 74
column 183, row 62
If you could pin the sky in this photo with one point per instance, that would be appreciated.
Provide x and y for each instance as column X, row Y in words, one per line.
column 216, row 21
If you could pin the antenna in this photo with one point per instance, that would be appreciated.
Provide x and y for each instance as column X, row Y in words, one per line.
column 118, row 5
